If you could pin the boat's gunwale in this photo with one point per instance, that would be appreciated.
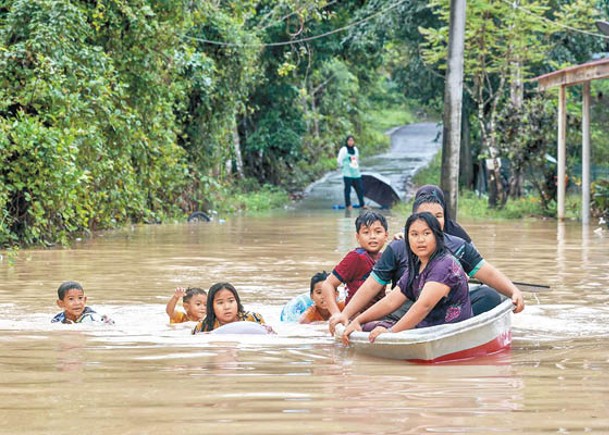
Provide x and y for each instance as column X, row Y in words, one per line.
column 432, row 333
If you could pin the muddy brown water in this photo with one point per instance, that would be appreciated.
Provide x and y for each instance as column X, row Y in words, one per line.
column 145, row 376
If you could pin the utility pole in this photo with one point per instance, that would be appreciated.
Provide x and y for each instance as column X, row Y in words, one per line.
column 453, row 102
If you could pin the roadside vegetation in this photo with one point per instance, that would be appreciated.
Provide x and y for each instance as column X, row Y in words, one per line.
column 139, row 111
column 474, row 204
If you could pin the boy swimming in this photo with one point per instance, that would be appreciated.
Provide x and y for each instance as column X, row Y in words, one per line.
column 318, row 312
column 72, row 300
column 194, row 301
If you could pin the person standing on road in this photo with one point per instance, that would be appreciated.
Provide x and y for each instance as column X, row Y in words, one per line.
column 348, row 161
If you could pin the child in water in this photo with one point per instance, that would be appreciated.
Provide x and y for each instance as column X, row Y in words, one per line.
column 319, row 312
column 194, row 301
column 224, row 306
column 72, row 301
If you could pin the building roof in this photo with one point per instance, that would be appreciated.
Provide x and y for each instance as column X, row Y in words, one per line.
column 573, row 75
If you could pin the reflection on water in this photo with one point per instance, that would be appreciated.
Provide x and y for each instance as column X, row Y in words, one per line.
column 145, row 376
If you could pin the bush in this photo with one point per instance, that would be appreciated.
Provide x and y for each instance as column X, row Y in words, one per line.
column 267, row 198
column 600, row 199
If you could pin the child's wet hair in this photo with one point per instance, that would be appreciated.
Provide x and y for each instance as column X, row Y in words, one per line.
column 191, row 291
column 210, row 318
column 68, row 285
column 369, row 217
column 426, row 199
column 318, row 277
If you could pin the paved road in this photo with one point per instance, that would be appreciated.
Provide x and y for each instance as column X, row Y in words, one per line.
column 412, row 147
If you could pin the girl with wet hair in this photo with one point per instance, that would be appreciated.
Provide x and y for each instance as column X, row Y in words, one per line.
column 223, row 307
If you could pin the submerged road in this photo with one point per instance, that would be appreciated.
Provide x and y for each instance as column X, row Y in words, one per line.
column 412, row 147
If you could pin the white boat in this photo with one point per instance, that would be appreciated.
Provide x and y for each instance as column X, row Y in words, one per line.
column 484, row 334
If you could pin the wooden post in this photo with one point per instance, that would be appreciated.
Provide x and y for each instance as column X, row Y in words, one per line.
column 453, row 100
column 562, row 155
column 586, row 154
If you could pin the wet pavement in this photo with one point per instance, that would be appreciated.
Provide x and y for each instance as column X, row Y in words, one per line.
column 412, row 148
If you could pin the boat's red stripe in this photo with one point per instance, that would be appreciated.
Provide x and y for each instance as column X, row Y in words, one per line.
column 499, row 343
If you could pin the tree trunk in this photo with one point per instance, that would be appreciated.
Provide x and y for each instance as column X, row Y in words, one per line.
column 453, row 102
column 237, row 150
column 516, row 86
column 516, row 184
column 315, row 118
column 466, row 164
column 516, row 97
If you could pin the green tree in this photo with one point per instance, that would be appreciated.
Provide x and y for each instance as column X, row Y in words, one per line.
column 506, row 43
column 88, row 118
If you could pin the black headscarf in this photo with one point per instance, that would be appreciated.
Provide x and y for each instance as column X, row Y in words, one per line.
column 450, row 226
column 350, row 150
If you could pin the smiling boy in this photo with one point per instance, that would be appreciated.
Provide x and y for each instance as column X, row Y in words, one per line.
column 371, row 235
column 72, row 301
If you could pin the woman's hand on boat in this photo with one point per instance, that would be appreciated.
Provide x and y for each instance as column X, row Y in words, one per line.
column 353, row 326
column 376, row 332
column 517, row 300
column 335, row 319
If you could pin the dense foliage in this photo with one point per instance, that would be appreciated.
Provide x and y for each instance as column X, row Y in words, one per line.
column 119, row 111
column 136, row 110
column 506, row 44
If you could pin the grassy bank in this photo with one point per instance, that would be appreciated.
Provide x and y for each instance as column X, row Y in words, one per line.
column 267, row 198
column 381, row 119
column 473, row 206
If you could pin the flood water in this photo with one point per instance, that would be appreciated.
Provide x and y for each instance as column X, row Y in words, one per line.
column 142, row 375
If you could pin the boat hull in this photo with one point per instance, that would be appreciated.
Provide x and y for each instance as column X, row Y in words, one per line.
column 484, row 334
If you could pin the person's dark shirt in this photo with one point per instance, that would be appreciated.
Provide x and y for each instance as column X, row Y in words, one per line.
column 393, row 263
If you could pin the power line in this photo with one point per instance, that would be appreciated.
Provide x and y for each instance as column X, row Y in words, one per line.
column 370, row 17
column 296, row 41
column 330, row 3
column 564, row 26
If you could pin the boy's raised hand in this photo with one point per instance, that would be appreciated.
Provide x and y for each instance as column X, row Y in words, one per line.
column 179, row 292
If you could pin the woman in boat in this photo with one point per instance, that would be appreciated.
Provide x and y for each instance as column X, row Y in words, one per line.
column 434, row 280
column 450, row 226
